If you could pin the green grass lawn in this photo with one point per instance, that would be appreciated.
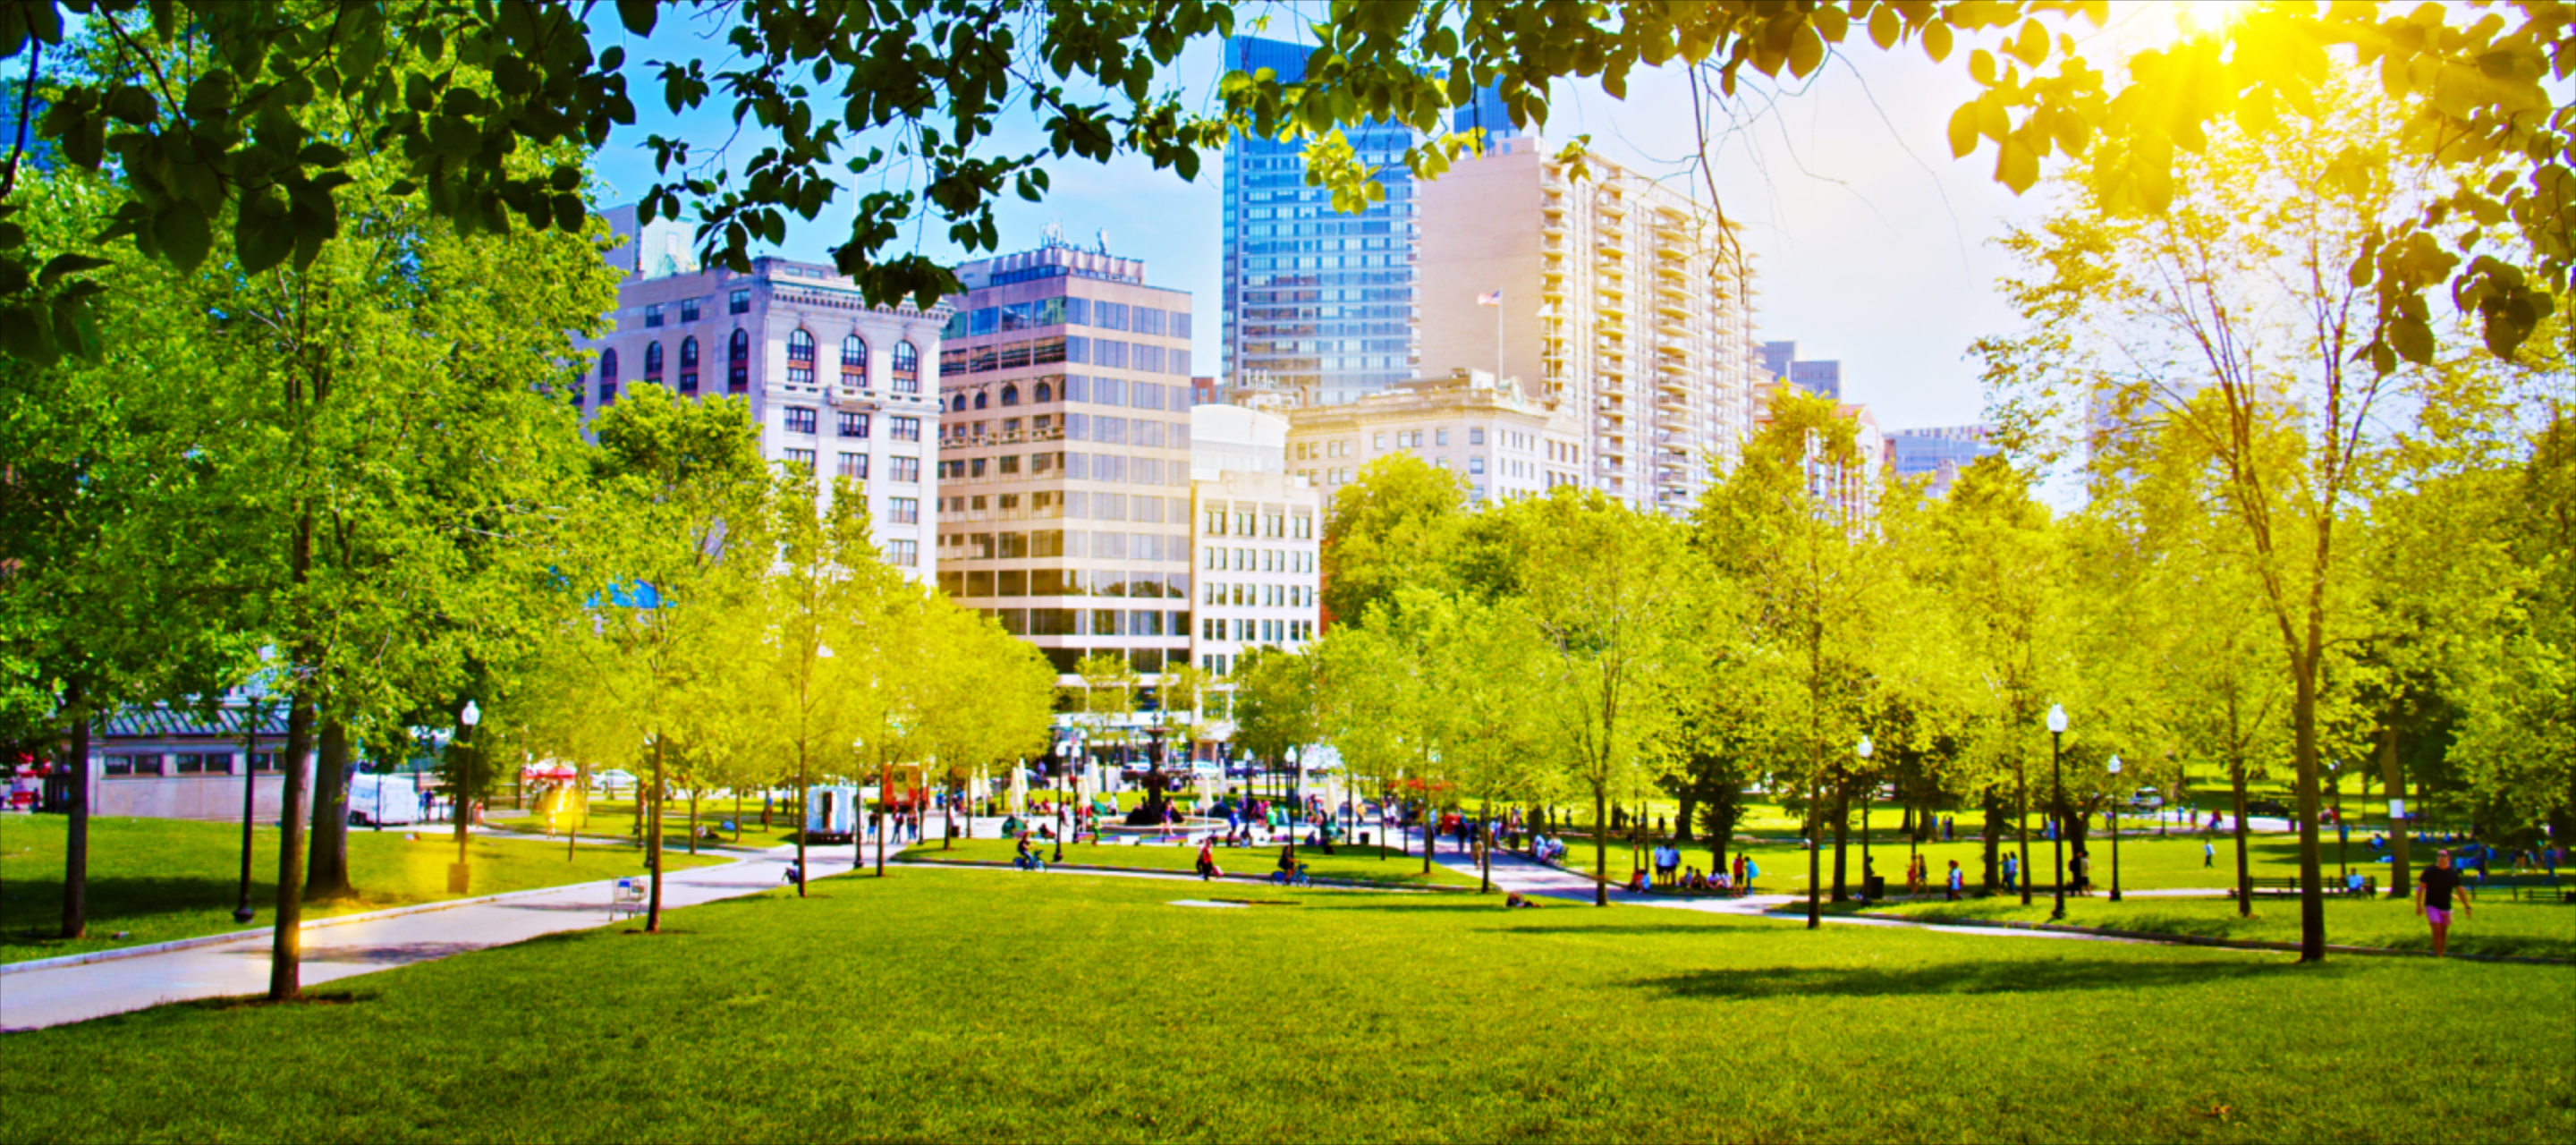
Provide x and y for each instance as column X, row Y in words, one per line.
column 957, row 1005
column 161, row 879
column 2497, row 925
column 1353, row 863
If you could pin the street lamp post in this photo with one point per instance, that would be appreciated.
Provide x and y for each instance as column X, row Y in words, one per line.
column 2115, row 829
column 1865, row 795
column 459, row 876
column 2057, row 837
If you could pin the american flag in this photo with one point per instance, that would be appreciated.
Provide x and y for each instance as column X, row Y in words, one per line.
column 1490, row 298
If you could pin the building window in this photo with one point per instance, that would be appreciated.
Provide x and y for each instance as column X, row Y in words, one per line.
column 1381, row 439
column 738, row 362
column 739, row 302
column 800, row 419
column 854, row 466
column 801, row 459
column 689, row 365
column 854, row 361
column 903, row 554
column 1304, row 526
column 1476, row 465
column 904, row 428
column 653, row 361
column 903, row 510
column 800, row 357
column 982, row 399
column 907, row 368
column 132, row 766
column 688, row 310
column 853, row 424
column 1045, row 394
column 1441, row 435
column 1010, row 394
column 263, row 763
column 1476, row 436
column 904, row 469
column 204, row 763
column 653, row 314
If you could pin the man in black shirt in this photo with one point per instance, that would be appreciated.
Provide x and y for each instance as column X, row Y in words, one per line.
column 2433, row 894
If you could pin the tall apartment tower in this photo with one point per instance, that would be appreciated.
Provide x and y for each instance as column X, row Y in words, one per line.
column 1937, row 453
column 834, row 383
column 1609, row 290
column 1316, row 301
column 1065, row 462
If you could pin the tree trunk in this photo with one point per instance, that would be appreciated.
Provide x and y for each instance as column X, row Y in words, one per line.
column 2401, row 873
column 76, row 825
column 1689, row 797
column 1815, row 858
column 1600, row 846
column 285, row 948
column 2312, row 890
column 693, row 819
column 2244, row 865
column 2021, row 824
column 327, row 865
column 800, row 819
column 653, row 843
column 1842, row 838
column 1994, row 805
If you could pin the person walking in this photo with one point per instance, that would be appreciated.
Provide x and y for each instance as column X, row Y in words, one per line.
column 2208, row 854
column 2433, row 892
column 2012, row 874
column 1954, row 880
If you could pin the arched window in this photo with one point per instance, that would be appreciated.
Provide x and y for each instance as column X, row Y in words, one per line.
column 689, row 364
column 854, row 361
column 800, row 357
column 738, row 362
column 607, row 377
column 907, row 368
column 1010, row 395
column 652, row 361
column 1046, row 393
column 958, row 404
column 982, row 399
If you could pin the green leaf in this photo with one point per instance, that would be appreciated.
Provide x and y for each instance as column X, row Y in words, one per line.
column 179, row 229
column 638, row 15
column 1963, row 130
column 63, row 264
column 1885, row 26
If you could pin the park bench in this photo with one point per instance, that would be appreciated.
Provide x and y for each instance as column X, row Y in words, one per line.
column 626, row 899
column 2543, row 892
column 2290, row 886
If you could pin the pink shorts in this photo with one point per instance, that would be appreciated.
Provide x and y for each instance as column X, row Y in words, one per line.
column 2437, row 916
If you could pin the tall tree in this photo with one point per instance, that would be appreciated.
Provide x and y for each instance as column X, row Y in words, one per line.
column 2242, row 319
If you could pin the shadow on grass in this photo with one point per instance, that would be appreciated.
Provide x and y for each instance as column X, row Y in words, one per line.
column 2002, row 977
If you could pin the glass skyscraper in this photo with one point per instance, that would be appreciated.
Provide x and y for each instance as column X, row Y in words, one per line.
column 1318, row 302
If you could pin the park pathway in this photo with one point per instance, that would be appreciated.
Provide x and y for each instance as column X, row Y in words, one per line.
column 54, row 995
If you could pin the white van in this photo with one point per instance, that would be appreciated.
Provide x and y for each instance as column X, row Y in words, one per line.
column 383, row 800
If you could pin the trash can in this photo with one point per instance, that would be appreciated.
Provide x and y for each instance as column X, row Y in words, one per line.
column 1876, row 888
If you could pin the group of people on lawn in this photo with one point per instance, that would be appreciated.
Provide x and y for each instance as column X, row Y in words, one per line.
column 1670, row 874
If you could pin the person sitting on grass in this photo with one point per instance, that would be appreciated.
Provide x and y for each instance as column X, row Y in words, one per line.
column 1639, row 881
column 1718, row 883
column 1518, row 901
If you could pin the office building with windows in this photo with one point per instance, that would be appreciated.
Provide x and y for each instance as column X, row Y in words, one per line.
column 1064, row 465
column 1256, row 527
column 835, row 384
column 1936, row 454
column 1501, row 441
column 1616, row 295
column 1823, row 379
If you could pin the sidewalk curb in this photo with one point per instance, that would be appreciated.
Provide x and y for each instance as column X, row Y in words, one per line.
column 1251, row 880
column 310, row 925
column 2258, row 944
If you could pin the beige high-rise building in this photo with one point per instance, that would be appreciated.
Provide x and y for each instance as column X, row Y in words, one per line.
column 1500, row 440
column 1612, row 292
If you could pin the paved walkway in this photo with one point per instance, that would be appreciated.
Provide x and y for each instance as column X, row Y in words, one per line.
column 55, row 995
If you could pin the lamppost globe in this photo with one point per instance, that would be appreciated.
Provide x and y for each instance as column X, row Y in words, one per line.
column 472, row 715
column 2115, row 765
column 1864, row 747
column 2056, row 719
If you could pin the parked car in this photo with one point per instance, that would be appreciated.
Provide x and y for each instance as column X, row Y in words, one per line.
column 2147, row 800
column 2273, row 807
column 612, row 780
column 383, row 800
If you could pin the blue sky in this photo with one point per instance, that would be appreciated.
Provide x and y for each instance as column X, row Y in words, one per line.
column 1872, row 245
